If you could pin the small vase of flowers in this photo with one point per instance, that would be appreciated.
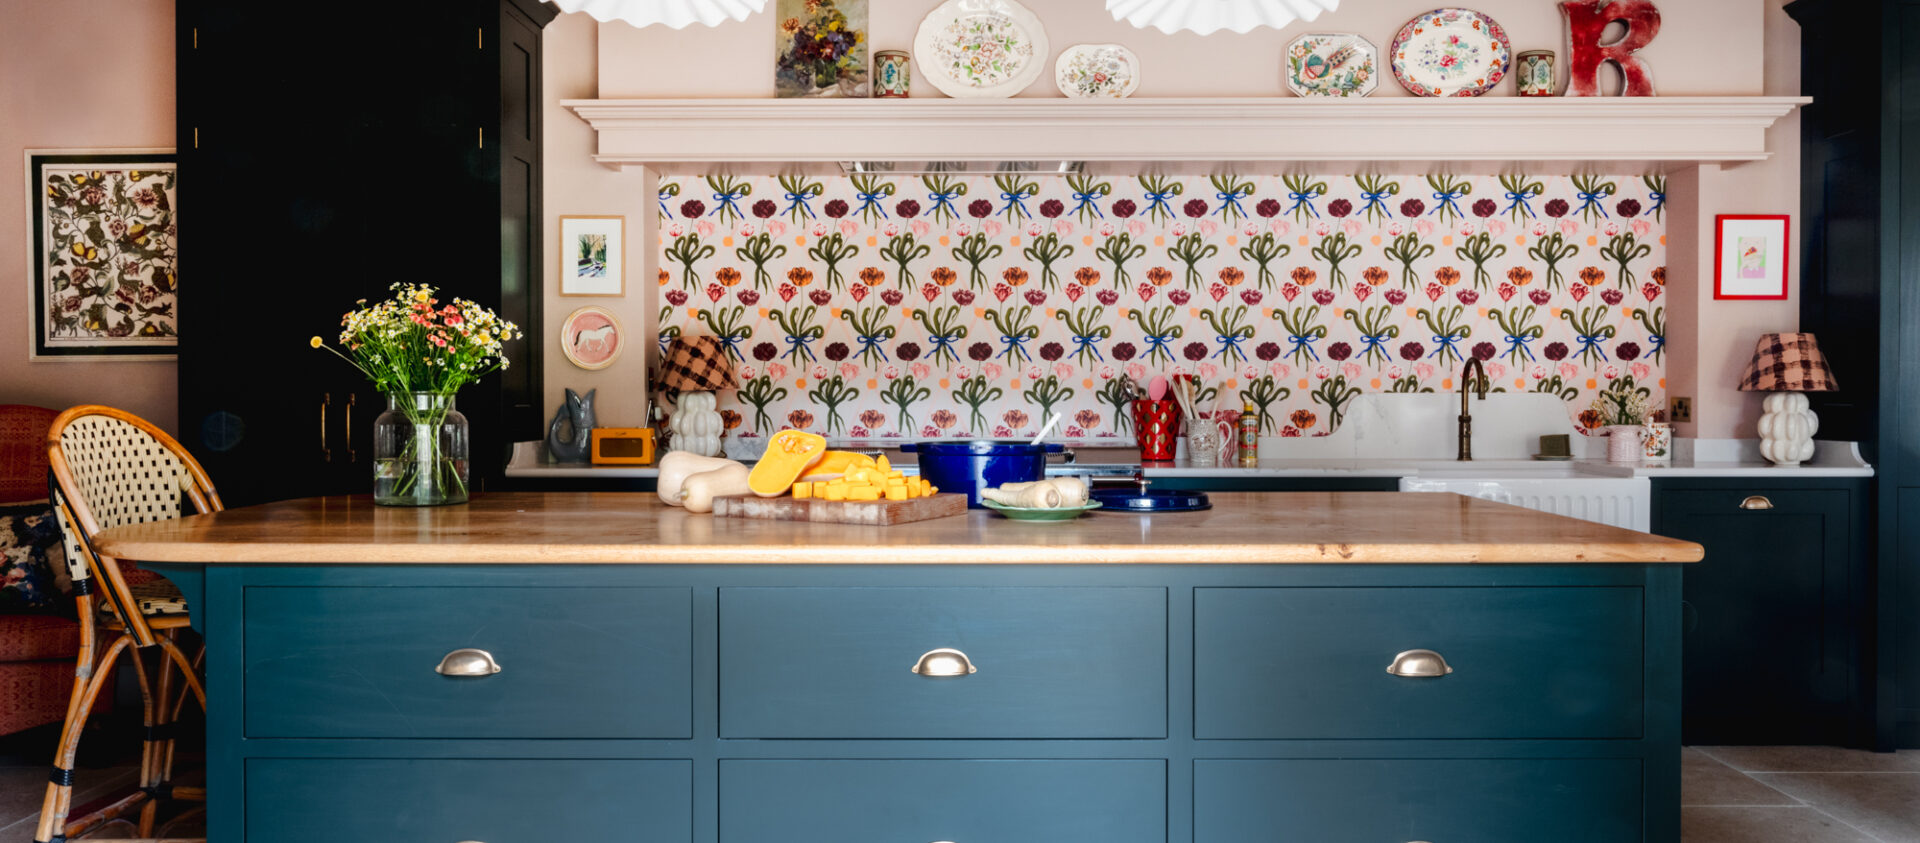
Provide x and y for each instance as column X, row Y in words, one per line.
column 419, row 353
column 1622, row 412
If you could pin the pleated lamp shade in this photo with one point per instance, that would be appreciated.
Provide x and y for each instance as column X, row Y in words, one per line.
column 673, row 13
column 1787, row 363
column 1208, row 16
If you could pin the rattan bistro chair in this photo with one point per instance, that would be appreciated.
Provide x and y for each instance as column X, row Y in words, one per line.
column 109, row 468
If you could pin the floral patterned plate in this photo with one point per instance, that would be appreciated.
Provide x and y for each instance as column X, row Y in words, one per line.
column 1451, row 53
column 1323, row 65
column 1097, row 71
column 981, row 48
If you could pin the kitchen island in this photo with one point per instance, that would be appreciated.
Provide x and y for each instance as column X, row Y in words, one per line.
column 1328, row 667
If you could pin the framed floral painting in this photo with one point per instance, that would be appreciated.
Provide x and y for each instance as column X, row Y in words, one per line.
column 1751, row 253
column 104, row 262
column 820, row 48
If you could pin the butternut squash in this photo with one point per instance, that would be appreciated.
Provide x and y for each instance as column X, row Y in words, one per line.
column 789, row 453
column 835, row 463
column 698, row 492
column 677, row 466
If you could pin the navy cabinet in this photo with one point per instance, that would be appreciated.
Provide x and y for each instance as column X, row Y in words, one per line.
column 1776, row 619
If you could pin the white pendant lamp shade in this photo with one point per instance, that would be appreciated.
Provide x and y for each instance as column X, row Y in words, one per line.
column 1208, row 16
column 673, row 13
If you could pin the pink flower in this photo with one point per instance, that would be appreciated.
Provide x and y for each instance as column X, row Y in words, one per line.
column 1642, row 228
column 777, row 370
column 1497, row 228
column 1568, row 227
column 1034, row 372
column 1249, row 371
column 1496, row 370
column 1280, row 370
column 1394, row 372
column 920, row 228
column 1136, row 227
column 1064, row 370
column 676, row 229
column 849, row 227
column 1425, row 227
column 1250, row 228
column 1179, row 229
column 747, row 229
column 1180, row 370
column 993, row 371
column 1351, row 370
column 746, row 373
column 963, row 230
column 704, row 227
column 1208, row 371
column 1322, row 228
column 991, row 228
column 1466, row 228
column 819, row 229
column 891, row 229
column 1568, row 370
column 776, row 228
column 1208, row 228
column 1423, row 370
column 891, row 373
column 1063, row 227
column 1034, row 229
column 1540, row 228
column 1002, row 431
column 819, row 372
column 920, row 371
column 1351, row 226
column 1396, row 229
column 848, row 370
column 1281, row 226
column 1108, row 229
column 1610, row 371
column 1640, row 371
column 1136, row 371
column 1538, row 372
column 1106, row 373
column 1613, row 229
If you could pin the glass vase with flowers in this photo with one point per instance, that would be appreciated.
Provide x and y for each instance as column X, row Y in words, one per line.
column 419, row 353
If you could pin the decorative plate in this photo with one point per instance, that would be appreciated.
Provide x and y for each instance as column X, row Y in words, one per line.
column 981, row 48
column 1030, row 513
column 591, row 338
column 1097, row 71
column 1451, row 53
column 1332, row 65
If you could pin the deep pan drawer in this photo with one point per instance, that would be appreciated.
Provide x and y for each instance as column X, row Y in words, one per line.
column 365, row 662
column 302, row 800
column 840, row 662
column 919, row 801
column 1298, row 663
column 1390, row 801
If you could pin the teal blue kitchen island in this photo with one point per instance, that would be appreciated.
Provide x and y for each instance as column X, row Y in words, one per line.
column 1368, row 667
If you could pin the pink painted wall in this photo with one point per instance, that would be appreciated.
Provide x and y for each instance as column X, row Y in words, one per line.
column 110, row 89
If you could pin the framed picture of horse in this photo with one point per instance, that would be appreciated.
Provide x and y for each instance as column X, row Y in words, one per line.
column 591, row 338
column 593, row 256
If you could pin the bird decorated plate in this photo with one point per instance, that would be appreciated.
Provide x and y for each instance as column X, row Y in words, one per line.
column 981, row 48
column 1097, row 71
column 1327, row 65
column 1451, row 53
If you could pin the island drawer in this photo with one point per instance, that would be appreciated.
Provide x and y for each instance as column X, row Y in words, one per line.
column 305, row 800
column 1313, row 663
column 1026, row 801
column 366, row 662
column 841, row 662
column 1485, row 801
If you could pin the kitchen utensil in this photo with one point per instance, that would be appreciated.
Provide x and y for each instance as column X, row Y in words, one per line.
column 1096, row 71
column 1029, row 513
column 1332, row 65
column 1046, row 429
column 1450, row 53
column 967, row 467
column 1155, row 424
column 981, row 48
column 1157, row 388
column 1128, row 499
column 820, row 510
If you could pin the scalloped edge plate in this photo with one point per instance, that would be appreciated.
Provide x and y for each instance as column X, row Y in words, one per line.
column 1496, row 37
column 930, row 27
column 1064, row 76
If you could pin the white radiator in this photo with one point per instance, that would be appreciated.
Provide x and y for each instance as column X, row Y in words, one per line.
column 1618, row 501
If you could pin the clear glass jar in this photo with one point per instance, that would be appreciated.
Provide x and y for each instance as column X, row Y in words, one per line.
column 420, row 451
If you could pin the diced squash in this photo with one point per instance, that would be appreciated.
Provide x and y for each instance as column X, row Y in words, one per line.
column 789, row 453
column 835, row 463
column 883, row 464
column 836, row 493
column 802, row 491
column 863, row 493
column 896, row 493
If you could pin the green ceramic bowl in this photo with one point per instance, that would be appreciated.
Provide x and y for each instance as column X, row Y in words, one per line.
column 1026, row 513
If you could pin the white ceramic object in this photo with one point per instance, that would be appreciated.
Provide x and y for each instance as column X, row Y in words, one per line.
column 696, row 425
column 1208, row 16
column 981, row 48
column 1450, row 53
column 1787, row 429
column 1332, row 65
column 1657, row 444
column 673, row 13
column 1097, row 71
column 1624, row 443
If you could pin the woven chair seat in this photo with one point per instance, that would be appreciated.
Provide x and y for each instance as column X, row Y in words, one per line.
column 155, row 597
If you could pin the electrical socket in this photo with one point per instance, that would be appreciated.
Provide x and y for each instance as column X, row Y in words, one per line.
column 1680, row 409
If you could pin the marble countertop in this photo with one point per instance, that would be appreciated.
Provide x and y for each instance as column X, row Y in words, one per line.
column 636, row 528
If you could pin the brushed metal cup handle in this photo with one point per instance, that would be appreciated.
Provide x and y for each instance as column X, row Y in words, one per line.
column 467, row 662
column 1756, row 502
column 1419, row 664
column 944, row 663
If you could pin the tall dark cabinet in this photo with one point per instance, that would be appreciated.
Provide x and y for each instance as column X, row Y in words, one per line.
column 328, row 152
column 1860, row 188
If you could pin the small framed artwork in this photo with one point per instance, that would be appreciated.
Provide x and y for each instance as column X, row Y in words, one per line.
column 591, row 338
column 593, row 256
column 102, row 257
column 820, row 48
column 1751, row 254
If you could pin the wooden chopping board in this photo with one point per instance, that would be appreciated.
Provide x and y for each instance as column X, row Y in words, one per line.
column 840, row 512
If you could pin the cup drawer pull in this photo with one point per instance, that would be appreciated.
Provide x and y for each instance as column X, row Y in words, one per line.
column 1419, row 664
column 1756, row 502
column 944, row 663
column 467, row 662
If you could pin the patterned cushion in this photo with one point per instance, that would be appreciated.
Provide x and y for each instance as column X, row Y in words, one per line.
column 26, row 638
column 155, row 597
column 32, row 563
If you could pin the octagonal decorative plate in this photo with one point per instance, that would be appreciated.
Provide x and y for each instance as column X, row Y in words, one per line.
column 1451, row 53
column 1332, row 65
column 981, row 48
column 1097, row 71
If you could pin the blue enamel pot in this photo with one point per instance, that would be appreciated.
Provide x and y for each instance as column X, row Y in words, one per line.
column 968, row 467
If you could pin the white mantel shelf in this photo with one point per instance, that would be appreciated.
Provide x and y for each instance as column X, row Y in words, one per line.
column 675, row 133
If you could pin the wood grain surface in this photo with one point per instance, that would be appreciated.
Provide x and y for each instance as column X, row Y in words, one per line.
column 620, row 527
column 819, row 510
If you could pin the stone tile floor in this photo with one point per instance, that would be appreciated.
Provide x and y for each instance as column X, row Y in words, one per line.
column 1728, row 795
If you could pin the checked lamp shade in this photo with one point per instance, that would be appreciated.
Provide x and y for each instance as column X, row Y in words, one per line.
column 694, row 368
column 1789, row 365
column 673, row 13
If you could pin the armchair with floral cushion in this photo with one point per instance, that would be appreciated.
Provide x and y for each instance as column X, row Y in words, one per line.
column 39, row 637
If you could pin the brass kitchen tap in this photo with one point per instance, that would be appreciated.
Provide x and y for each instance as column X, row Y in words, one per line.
column 1466, row 416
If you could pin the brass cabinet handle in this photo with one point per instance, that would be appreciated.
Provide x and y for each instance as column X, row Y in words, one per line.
column 1756, row 502
column 326, row 454
column 944, row 663
column 352, row 455
column 1419, row 664
column 467, row 662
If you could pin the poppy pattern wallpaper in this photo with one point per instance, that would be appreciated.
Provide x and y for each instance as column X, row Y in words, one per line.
column 944, row 306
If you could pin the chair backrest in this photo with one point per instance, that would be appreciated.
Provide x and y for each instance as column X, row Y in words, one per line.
column 111, row 468
column 23, row 452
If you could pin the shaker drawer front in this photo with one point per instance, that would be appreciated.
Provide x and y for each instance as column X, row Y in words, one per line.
column 1389, row 801
column 574, row 662
column 840, row 662
column 299, row 800
column 919, row 801
column 1312, row 663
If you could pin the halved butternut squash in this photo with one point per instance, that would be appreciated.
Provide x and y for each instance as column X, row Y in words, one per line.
column 789, row 454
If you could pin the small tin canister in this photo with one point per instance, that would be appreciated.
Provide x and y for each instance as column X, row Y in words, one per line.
column 892, row 73
column 1533, row 73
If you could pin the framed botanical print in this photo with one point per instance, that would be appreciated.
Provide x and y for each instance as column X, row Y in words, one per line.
column 103, row 273
column 593, row 256
column 1751, row 254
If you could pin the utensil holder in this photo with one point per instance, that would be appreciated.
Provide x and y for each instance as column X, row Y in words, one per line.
column 1156, row 424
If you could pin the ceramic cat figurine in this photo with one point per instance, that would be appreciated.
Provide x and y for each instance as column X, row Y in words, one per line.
column 578, row 415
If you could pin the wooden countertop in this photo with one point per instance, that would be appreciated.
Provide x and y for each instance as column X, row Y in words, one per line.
column 612, row 527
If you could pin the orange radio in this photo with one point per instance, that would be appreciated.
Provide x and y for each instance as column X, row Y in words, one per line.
column 623, row 446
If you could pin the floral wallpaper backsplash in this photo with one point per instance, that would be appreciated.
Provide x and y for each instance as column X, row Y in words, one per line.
column 941, row 306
